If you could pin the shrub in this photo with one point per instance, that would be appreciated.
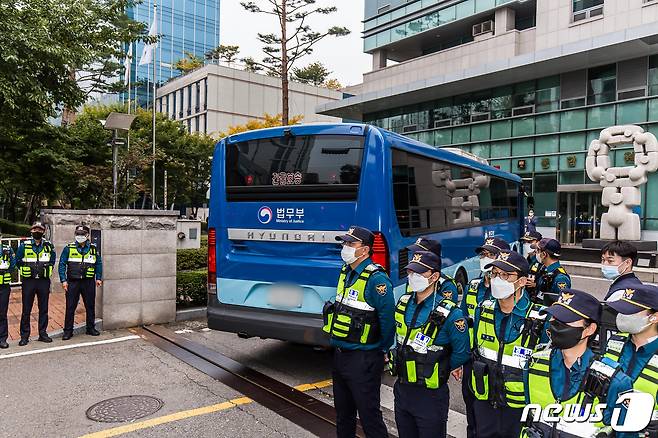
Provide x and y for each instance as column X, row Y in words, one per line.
column 191, row 288
column 21, row 230
column 192, row 259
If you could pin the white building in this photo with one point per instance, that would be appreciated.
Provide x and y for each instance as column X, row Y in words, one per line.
column 214, row 97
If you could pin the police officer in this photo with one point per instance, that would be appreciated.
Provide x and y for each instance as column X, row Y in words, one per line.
column 617, row 260
column 7, row 266
column 637, row 349
column 530, row 239
column 554, row 277
column 80, row 272
column 362, row 329
column 479, row 290
column 35, row 259
column 447, row 286
column 506, row 331
column 432, row 341
column 558, row 375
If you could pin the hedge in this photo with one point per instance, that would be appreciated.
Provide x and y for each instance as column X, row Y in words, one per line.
column 21, row 230
column 192, row 259
column 191, row 288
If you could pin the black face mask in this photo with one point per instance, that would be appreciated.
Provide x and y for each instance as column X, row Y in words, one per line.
column 564, row 336
column 37, row 235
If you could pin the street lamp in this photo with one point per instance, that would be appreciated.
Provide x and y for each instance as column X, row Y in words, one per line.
column 116, row 122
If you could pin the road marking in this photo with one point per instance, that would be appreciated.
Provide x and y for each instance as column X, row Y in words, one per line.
column 68, row 347
column 182, row 415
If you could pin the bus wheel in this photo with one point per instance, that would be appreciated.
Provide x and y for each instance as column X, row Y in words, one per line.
column 462, row 280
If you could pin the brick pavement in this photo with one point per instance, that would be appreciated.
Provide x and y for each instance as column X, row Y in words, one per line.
column 56, row 310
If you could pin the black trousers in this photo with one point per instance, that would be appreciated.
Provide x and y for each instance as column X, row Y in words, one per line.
column 421, row 412
column 469, row 400
column 357, row 378
column 41, row 288
column 5, row 290
column 500, row 422
column 87, row 288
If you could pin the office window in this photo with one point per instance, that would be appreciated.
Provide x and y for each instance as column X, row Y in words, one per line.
column 198, row 97
column 583, row 9
column 602, row 84
column 173, row 105
column 196, row 124
column 205, row 94
column 205, row 124
column 653, row 75
column 189, row 99
column 180, row 107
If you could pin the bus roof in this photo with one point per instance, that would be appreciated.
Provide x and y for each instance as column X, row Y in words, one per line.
column 397, row 140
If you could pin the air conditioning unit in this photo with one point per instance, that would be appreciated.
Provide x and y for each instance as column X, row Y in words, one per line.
column 442, row 123
column 480, row 117
column 482, row 28
column 523, row 110
column 409, row 128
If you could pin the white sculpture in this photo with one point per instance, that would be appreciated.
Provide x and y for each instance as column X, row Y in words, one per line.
column 621, row 190
column 463, row 191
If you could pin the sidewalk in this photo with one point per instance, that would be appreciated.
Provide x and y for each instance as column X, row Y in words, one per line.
column 56, row 310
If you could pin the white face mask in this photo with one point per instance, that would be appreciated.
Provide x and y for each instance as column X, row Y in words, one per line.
column 81, row 239
column 418, row 283
column 501, row 289
column 526, row 249
column 484, row 262
column 348, row 254
column 632, row 324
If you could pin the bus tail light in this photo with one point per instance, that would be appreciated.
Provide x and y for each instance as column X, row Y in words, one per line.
column 212, row 261
column 380, row 252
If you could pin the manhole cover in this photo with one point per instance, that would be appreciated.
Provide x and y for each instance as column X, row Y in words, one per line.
column 124, row 409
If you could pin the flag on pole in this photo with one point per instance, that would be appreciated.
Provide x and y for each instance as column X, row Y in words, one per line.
column 147, row 53
column 126, row 64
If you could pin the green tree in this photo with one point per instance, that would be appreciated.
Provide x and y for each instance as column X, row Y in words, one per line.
column 333, row 84
column 188, row 63
column 224, row 53
column 313, row 74
column 294, row 39
column 251, row 65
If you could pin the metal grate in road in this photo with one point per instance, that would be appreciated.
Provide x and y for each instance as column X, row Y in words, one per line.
column 124, row 409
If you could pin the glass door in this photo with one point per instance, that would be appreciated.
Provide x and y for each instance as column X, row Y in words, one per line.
column 579, row 216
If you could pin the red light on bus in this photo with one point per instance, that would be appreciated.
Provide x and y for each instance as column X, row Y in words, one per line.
column 380, row 252
column 250, row 180
column 212, row 261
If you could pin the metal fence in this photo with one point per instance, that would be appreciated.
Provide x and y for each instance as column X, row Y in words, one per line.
column 14, row 242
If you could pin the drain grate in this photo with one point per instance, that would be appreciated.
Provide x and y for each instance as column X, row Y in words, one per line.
column 124, row 409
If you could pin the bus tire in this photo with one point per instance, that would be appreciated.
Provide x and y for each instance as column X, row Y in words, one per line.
column 461, row 278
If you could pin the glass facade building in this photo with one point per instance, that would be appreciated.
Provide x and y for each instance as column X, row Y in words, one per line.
column 185, row 26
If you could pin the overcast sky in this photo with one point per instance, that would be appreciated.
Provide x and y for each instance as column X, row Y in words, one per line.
column 344, row 56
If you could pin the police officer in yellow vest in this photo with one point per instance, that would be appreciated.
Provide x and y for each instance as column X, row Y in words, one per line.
column 637, row 348
column 560, row 374
column 80, row 272
column 432, row 341
column 478, row 290
column 7, row 266
column 35, row 260
column 506, row 331
column 553, row 278
column 362, row 329
column 448, row 288
column 536, row 267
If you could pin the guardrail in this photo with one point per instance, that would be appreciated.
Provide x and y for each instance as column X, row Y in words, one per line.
column 14, row 242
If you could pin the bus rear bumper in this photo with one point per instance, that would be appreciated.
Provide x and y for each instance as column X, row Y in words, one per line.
column 286, row 326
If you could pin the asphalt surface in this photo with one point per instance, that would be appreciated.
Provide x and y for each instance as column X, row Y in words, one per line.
column 47, row 394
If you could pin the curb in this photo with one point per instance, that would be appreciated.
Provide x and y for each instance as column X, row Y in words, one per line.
column 191, row 313
column 78, row 329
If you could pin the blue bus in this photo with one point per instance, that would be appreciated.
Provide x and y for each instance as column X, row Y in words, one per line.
column 279, row 197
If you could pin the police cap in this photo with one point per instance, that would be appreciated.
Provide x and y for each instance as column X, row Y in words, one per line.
column 637, row 299
column 494, row 245
column 81, row 230
column 573, row 305
column 38, row 226
column 531, row 236
column 424, row 261
column 551, row 246
column 425, row 244
column 510, row 261
column 357, row 234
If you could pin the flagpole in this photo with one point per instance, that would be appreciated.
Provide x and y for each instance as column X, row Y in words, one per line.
column 130, row 64
column 155, row 17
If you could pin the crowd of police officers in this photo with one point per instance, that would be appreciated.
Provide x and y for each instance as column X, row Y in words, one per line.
column 520, row 335
column 80, row 272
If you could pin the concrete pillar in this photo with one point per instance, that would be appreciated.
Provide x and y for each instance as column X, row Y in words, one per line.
column 505, row 20
column 139, row 261
column 379, row 59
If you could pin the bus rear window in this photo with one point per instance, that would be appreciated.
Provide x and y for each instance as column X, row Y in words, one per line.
column 310, row 168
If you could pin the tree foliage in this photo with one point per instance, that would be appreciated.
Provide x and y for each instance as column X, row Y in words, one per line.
column 294, row 40
column 313, row 74
column 223, row 53
column 268, row 121
column 333, row 84
column 188, row 63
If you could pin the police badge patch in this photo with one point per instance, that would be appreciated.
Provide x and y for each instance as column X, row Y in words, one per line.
column 562, row 285
column 381, row 289
column 460, row 325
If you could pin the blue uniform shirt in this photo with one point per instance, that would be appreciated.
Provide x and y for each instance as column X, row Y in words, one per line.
column 12, row 258
column 484, row 293
column 514, row 322
column 20, row 252
column 626, row 281
column 449, row 289
column 561, row 281
column 566, row 383
column 383, row 303
column 454, row 331
column 64, row 259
